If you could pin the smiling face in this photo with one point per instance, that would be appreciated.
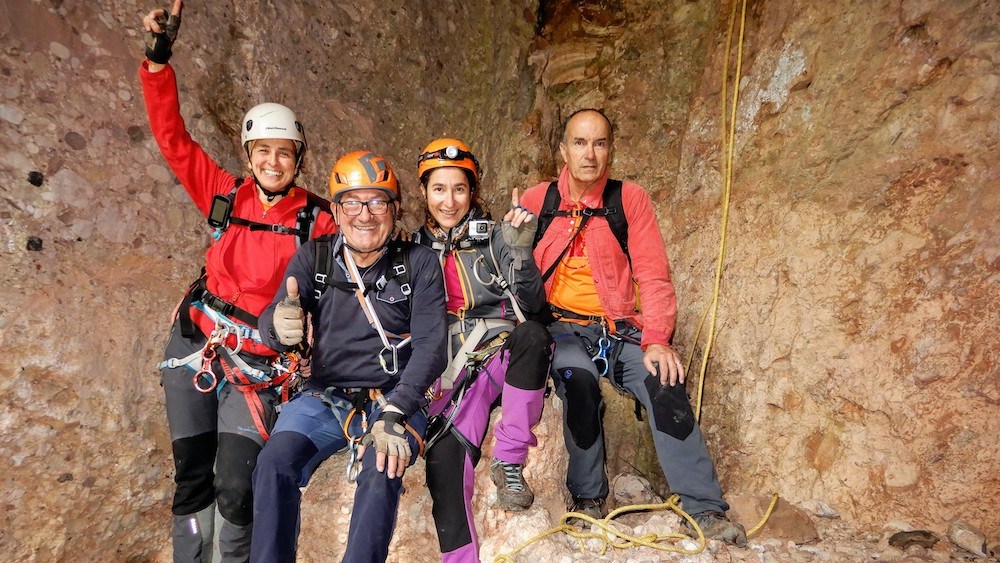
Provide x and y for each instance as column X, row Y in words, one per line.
column 586, row 148
column 365, row 232
column 448, row 196
column 273, row 163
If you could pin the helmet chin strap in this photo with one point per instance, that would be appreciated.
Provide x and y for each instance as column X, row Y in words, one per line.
column 381, row 248
column 283, row 192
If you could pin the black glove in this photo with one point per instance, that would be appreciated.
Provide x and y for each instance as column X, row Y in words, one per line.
column 158, row 45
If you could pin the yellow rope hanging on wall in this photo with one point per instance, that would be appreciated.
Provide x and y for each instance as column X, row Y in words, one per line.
column 728, row 148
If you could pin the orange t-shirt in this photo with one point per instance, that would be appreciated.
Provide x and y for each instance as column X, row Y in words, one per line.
column 573, row 285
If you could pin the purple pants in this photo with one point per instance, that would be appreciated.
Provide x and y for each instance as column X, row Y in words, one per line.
column 517, row 374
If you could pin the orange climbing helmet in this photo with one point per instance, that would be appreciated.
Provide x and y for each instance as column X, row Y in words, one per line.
column 448, row 152
column 360, row 170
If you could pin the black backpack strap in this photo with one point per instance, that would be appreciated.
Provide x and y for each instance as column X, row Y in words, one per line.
column 307, row 215
column 615, row 214
column 399, row 267
column 549, row 207
column 322, row 264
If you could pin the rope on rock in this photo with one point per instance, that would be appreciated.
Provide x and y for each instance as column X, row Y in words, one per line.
column 728, row 147
column 610, row 536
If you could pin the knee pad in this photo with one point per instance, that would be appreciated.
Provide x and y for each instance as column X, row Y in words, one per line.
column 583, row 405
column 672, row 412
column 233, row 479
column 194, row 458
column 530, row 348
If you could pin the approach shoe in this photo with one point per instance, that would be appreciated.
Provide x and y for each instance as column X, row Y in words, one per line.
column 593, row 507
column 717, row 526
column 513, row 493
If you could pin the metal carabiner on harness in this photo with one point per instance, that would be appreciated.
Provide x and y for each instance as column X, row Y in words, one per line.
column 354, row 464
column 395, row 360
column 208, row 356
column 600, row 359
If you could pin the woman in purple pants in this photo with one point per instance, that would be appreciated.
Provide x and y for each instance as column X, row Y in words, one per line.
column 491, row 283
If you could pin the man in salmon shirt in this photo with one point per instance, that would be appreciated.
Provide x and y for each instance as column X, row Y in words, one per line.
column 601, row 235
column 221, row 381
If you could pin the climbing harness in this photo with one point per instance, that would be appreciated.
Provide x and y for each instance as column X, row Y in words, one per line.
column 358, row 398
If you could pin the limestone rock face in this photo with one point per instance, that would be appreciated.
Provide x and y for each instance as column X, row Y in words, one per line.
column 855, row 357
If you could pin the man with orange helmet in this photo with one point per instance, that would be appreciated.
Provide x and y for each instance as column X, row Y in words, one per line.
column 221, row 380
column 491, row 283
column 377, row 316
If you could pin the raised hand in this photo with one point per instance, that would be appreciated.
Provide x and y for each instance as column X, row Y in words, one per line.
column 289, row 320
column 519, row 225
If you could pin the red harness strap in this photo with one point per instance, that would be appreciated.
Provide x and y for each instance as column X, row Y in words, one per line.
column 249, row 389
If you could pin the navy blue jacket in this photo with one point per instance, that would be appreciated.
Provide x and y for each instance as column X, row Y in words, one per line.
column 346, row 347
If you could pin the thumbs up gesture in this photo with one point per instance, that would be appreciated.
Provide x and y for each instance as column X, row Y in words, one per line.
column 289, row 324
column 518, row 225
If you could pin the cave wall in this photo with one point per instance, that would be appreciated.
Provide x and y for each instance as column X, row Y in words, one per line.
column 855, row 359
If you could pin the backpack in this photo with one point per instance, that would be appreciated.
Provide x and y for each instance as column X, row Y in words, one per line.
column 613, row 213
column 399, row 266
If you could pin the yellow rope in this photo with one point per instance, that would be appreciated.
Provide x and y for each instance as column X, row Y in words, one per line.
column 610, row 537
column 727, row 172
column 770, row 509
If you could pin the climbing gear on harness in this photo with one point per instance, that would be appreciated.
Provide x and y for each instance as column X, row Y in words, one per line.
column 445, row 152
column 513, row 493
column 600, row 359
column 465, row 357
column 366, row 305
column 613, row 213
column 273, row 121
column 159, row 46
column 362, row 170
column 360, row 398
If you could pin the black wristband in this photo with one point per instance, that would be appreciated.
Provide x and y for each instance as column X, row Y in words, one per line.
column 160, row 52
column 393, row 417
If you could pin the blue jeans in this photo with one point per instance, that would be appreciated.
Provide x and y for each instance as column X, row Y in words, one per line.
column 307, row 433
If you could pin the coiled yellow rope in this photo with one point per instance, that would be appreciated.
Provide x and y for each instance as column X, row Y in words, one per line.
column 611, row 537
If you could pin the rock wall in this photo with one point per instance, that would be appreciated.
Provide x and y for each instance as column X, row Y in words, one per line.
column 855, row 358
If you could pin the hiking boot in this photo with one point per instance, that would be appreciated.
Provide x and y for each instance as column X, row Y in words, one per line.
column 717, row 526
column 593, row 507
column 512, row 492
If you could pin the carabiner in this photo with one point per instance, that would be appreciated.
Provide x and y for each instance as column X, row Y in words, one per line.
column 395, row 360
column 209, row 375
column 353, row 464
column 603, row 347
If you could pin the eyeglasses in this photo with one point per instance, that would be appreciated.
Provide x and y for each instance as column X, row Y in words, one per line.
column 352, row 208
column 449, row 153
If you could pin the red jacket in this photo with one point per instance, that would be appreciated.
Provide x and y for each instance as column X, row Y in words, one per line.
column 243, row 267
column 612, row 274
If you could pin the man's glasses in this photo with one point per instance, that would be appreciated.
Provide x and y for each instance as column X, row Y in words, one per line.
column 353, row 208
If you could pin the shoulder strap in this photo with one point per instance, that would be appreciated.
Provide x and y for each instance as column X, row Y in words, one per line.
column 322, row 263
column 616, row 214
column 307, row 215
column 545, row 215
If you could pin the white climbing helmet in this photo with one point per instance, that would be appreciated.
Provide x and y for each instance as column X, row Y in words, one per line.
column 272, row 121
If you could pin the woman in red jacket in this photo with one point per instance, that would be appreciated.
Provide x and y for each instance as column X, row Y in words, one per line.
column 221, row 382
